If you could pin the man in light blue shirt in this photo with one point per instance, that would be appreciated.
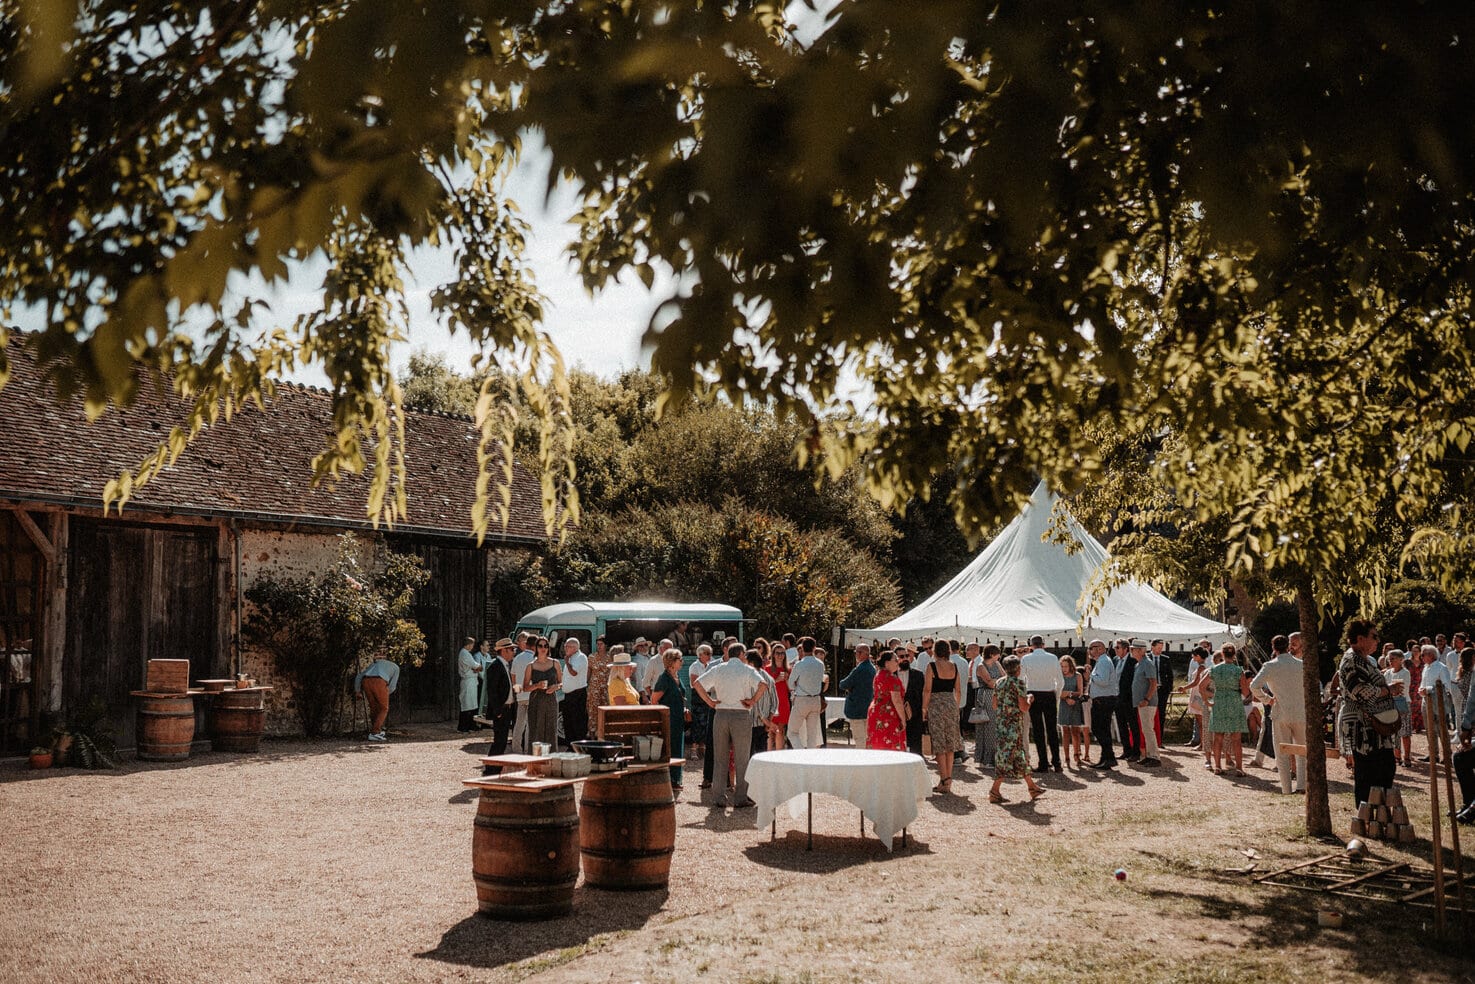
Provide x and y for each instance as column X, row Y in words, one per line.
column 520, row 662
column 806, row 697
column 375, row 683
column 1105, row 681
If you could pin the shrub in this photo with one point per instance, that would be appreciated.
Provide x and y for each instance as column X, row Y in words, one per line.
column 1412, row 609
column 320, row 628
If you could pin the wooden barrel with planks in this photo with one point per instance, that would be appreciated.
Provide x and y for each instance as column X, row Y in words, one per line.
column 628, row 831
column 237, row 720
column 525, row 853
column 166, row 726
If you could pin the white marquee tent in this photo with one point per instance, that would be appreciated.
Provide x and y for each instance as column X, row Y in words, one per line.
column 1022, row 585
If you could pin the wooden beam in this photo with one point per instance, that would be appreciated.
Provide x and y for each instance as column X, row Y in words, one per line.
column 40, row 539
column 1423, row 892
column 1376, row 872
column 220, row 660
column 54, row 632
column 1297, row 867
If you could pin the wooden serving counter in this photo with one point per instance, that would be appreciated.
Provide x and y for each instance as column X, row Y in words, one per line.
column 528, row 840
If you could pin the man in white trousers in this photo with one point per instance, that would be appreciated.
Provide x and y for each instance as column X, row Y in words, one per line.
column 1286, row 702
column 806, row 697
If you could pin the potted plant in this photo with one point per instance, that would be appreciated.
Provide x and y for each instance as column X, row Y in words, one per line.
column 86, row 742
column 40, row 758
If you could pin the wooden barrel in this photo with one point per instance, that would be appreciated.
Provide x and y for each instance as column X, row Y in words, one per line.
column 525, row 854
column 628, row 831
column 166, row 726
column 237, row 720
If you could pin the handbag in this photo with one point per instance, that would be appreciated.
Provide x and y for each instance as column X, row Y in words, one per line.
column 979, row 714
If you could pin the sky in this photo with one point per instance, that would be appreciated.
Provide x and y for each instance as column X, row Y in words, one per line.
column 601, row 333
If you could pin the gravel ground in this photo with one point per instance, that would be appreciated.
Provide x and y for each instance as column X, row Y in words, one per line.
column 342, row 861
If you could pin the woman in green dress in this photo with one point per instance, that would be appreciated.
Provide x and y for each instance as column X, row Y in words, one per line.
column 669, row 693
column 1227, row 682
column 1010, row 759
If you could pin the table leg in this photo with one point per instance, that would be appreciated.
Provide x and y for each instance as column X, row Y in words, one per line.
column 862, row 823
column 773, row 834
column 810, row 845
column 903, row 838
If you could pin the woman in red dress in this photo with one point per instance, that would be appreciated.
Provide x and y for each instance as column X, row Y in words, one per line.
column 885, row 723
column 778, row 668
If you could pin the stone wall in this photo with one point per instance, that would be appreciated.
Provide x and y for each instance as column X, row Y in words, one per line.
column 277, row 554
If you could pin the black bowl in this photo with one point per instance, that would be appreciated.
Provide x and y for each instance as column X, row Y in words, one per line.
column 600, row 751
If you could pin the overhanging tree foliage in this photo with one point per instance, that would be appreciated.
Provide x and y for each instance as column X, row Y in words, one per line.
column 938, row 195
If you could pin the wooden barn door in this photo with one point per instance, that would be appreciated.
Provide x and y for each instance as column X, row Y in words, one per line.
column 136, row 593
column 449, row 608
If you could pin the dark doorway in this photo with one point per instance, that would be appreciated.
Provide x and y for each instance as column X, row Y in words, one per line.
column 449, row 608
column 136, row 592
column 21, row 572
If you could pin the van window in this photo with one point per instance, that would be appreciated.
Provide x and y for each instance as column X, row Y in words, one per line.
column 686, row 636
column 557, row 636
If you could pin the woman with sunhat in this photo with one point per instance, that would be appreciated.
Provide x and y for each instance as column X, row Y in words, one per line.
column 622, row 692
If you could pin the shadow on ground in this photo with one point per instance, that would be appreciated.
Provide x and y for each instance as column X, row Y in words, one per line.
column 831, row 853
column 1284, row 917
column 477, row 941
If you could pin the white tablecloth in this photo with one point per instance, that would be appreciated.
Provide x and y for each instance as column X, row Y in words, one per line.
column 834, row 709
column 886, row 786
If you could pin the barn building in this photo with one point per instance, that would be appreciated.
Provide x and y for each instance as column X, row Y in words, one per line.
column 87, row 597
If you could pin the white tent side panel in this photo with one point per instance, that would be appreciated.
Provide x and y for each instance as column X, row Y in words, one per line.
column 1022, row 585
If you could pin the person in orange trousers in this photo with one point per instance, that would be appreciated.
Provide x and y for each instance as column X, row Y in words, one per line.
column 375, row 683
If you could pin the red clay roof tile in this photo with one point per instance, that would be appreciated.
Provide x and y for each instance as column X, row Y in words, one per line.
column 257, row 465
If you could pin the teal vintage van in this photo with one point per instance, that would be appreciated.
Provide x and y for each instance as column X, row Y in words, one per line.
column 687, row 624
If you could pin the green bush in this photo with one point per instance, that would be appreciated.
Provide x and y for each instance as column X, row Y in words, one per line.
column 782, row 577
column 320, row 629
column 1412, row 609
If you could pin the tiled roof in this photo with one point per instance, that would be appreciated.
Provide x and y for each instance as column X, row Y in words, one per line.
column 257, row 465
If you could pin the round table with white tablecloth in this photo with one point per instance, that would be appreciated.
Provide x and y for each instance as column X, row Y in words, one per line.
column 884, row 786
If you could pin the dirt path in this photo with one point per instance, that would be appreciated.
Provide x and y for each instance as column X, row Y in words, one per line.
column 348, row 862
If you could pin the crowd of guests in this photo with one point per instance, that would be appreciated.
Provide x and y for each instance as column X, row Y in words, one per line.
column 924, row 696
column 1387, row 694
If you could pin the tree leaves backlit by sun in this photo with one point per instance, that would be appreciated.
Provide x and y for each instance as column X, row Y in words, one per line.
column 1019, row 227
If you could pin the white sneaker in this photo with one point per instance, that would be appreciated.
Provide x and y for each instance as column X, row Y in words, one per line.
column 378, row 736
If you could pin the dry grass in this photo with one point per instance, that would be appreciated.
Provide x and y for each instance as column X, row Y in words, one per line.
column 347, row 862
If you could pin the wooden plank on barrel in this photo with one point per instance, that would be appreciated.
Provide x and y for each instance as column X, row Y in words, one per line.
column 518, row 783
column 515, row 761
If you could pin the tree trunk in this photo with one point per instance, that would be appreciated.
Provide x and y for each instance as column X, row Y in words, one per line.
column 1318, row 808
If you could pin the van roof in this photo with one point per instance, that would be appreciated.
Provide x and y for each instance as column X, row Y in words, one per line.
column 587, row 613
